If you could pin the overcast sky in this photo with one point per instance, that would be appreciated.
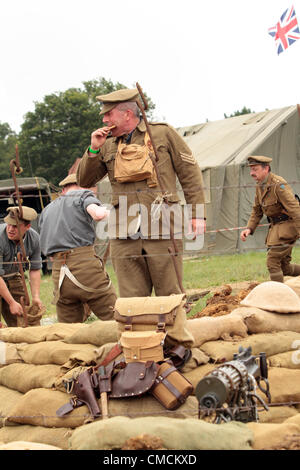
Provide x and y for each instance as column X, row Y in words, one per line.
column 196, row 59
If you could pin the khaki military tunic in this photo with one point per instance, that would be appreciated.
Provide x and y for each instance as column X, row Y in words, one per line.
column 276, row 200
column 175, row 160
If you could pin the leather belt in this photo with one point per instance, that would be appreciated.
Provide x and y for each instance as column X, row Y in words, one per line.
column 280, row 218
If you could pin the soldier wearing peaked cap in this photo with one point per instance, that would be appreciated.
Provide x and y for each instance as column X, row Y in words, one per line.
column 121, row 149
column 67, row 235
column 275, row 199
column 11, row 287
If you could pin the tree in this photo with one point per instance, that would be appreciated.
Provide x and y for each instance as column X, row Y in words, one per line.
column 58, row 131
column 8, row 140
column 244, row 110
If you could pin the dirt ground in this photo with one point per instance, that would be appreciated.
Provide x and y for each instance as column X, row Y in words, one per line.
column 224, row 299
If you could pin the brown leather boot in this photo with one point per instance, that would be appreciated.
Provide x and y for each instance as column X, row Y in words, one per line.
column 278, row 276
column 295, row 270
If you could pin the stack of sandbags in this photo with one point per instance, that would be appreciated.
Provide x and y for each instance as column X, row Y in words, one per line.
column 271, row 306
column 31, row 358
column 270, row 314
column 37, row 360
column 32, row 383
column 275, row 307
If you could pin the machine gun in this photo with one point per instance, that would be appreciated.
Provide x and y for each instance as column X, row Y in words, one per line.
column 229, row 392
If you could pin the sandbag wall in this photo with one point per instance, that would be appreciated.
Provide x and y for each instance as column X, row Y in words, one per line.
column 35, row 361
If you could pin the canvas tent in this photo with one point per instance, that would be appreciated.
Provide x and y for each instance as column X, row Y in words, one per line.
column 221, row 149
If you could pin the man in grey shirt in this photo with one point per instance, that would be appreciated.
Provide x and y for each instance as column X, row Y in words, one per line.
column 67, row 235
column 11, row 287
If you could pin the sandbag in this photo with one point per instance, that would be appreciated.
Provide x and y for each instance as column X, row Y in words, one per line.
column 261, row 321
column 9, row 354
column 24, row 445
column 284, row 385
column 24, row 377
column 271, row 344
column 149, row 406
column 36, row 334
column 274, row 297
column 287, row 360
column 38, row 407
column 54, row 352
column 98, row 333
column 212, row 328
column 183, row 434
column 57, row 437
column 32, row 315
column 294, row 283
column 270, row 436
column 295, row 418
column 8, row 399
column 195, row 375
column 277, row 414
column 96, row 357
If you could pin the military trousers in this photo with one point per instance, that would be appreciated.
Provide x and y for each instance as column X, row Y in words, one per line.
column 16, row 289
column 91, row 286
column 142, row 265
column 279, row 262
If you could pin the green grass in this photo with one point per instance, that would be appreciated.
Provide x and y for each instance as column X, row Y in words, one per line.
column 203, row 272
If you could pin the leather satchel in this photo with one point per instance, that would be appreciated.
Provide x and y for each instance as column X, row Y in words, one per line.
column 161, row 313
column 133, row 163
column 135, row 379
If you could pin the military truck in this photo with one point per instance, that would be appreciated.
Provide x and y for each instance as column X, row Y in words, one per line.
column 35, row 192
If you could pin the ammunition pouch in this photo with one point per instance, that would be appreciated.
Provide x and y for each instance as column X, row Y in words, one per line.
column 143, row 346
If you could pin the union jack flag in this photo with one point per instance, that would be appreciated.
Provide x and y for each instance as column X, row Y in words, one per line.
column 286, row 31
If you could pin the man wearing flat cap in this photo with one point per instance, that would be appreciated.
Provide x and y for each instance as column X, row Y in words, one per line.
column 122, row 150
column 11, row 287
column 275, row 199
column 67, row 235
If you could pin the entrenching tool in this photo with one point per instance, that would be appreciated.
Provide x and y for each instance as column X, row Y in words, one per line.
column 103, row 392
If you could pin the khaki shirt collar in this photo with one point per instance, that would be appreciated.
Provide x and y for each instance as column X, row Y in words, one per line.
column 141, row 127
column 264, row 185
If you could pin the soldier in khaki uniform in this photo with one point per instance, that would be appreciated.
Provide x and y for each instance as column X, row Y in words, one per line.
column 140, row 254
column 11, row 286
column 275, row 199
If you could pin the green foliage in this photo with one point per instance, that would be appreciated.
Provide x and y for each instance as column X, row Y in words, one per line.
column 8, row 140
column 244, row 110
column 58, row 131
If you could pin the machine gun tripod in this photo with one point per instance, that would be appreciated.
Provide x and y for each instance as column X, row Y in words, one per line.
column 228, row 393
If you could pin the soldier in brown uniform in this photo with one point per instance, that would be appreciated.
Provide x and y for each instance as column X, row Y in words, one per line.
column 275, row 199
column 140, row 257
column 11, row 286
